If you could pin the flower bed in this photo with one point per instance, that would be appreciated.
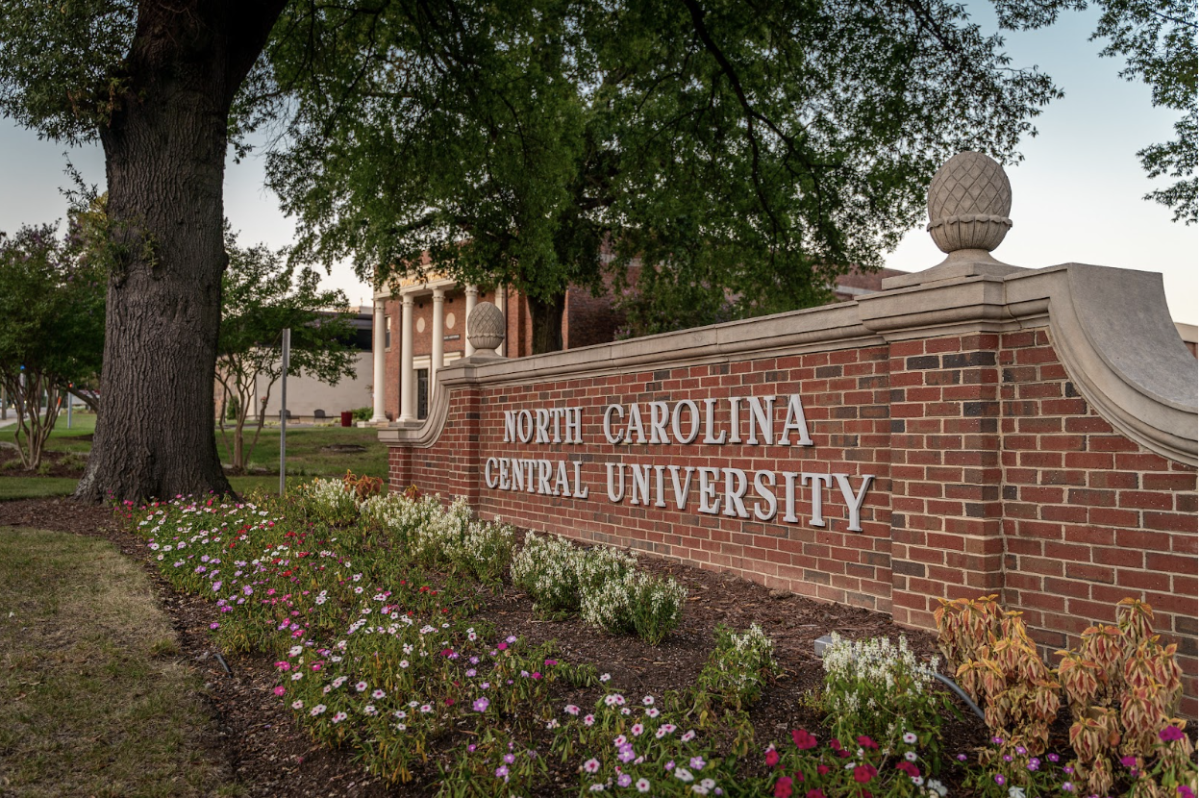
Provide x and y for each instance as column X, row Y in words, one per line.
column 381, row 647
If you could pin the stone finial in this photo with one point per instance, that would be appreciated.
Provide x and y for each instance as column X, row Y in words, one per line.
column 485, row 327
column 969, row 202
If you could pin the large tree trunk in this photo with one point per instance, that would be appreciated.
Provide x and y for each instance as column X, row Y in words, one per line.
column 547, row 318
column 165, row 158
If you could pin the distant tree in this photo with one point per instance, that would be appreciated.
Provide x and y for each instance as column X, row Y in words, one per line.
column 51, row 328
column 1157, row 39
column 262, row 294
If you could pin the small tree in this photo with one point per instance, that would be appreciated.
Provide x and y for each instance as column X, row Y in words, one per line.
column 262, row 294
column 52, row 304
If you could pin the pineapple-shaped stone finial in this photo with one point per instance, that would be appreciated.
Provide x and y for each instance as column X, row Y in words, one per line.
column 969, row 202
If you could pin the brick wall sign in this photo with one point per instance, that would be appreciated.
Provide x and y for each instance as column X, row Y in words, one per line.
column 975, row 428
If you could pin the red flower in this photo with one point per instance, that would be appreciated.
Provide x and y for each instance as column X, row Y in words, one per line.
column 864, row 773
column 815, row 794
column 804, row 740
column 783, row 787
column 867, row 742
column 909, row 769
column 822, row 770
column 772, row 757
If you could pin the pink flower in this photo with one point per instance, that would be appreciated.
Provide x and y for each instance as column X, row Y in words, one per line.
column 803, row 740
column 783, row 787
column 864, row 773
column 1170, row 734
column 772, row 757
column 280, row 690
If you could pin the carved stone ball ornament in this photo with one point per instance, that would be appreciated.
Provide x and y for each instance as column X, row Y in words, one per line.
column 485, row 326
column 969, row 202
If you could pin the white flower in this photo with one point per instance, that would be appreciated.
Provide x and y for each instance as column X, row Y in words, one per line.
column 1016, row 792
column 683, row 774
column 592, row 765
column 642, row 785
column 909, row 738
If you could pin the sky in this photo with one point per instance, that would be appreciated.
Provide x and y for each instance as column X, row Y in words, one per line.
column 1077, row 196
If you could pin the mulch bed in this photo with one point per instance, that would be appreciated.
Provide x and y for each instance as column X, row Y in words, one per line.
column 271, row 756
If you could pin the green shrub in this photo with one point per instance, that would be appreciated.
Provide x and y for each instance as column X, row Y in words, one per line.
column 556, row 574
column 636, row 603
column 362, row 413
column 328, row 501
column 882, row 690
column 736, row 671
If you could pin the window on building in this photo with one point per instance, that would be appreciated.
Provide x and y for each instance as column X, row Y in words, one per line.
column 387, row 334
column 422, row 393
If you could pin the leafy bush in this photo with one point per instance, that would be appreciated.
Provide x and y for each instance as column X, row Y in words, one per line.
column 362, row 413
column 328, row 501
column 636, row 603
column 556, row 574
column 997, row 664
column 736, row 671
column 881, row 690
column 1122, row 687
column 443, row 537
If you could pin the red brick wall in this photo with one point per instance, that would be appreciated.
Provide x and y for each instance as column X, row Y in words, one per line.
column 991, row 475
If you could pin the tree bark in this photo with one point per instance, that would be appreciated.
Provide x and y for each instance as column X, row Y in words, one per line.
column 547, row 317
column 165, row 161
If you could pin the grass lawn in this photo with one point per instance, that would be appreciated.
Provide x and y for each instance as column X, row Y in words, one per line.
column 305, row 458
column 304, row 455
column 37, row 487
column 95, row 703
column 75, row 439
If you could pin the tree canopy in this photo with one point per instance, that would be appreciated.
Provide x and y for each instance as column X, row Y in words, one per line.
column 756, row 148
column 52, row 335
column 1157, row 39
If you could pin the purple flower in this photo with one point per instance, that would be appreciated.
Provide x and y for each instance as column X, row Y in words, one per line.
column 998, row 779
column 1170, row 734
column 480, row 705
column 1068, row 786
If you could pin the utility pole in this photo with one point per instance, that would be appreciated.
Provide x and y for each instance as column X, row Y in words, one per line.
column 283, row 413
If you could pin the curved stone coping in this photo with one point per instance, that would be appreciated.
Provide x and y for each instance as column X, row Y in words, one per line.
column 1114, row 334
column 1110, row 327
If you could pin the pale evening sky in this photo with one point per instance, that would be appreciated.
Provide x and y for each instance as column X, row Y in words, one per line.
column 1076, row 197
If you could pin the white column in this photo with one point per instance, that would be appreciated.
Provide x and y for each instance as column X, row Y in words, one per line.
column 502, row 303
column 378, row 324
column 439, row 334
column 406, row 360
column 472, row 297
